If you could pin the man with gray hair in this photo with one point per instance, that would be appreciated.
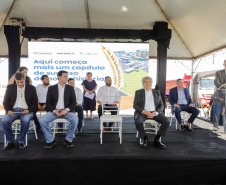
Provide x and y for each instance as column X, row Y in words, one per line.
column 148, row 105
column 20, row 101
column 220, row 77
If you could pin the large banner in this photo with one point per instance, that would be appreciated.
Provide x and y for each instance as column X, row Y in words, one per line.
column 126, row 63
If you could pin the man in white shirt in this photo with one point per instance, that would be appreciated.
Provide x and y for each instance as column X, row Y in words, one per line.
column 20, row 102
column 60, row 101
column 148, row 105
column 41, row 90
column 78, row 107
column 103, row 91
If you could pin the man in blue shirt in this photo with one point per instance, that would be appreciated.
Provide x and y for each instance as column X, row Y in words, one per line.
column 180, row 100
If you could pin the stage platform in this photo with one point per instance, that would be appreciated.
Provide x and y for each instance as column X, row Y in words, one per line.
column 189, row 158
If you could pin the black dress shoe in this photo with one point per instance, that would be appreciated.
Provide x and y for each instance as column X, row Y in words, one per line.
column 22, row 146
column 144, row 143
column 160, row 145
column 9, row 145
column 187, row 128
column 182, row 127
column 68, row 144
column 51, row 144
column 79, row 128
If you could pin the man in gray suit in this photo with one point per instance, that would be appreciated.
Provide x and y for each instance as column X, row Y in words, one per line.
column 220, row 77
column 148, row 105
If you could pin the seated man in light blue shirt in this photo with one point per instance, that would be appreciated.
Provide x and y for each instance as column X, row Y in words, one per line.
column 180, row 100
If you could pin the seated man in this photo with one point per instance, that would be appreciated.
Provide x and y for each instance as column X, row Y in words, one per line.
column 180, row 100
column 78, row 106
column 103, row 91
column 20, row 101
column 41, row 90
column 60, row 102
column 148, row 105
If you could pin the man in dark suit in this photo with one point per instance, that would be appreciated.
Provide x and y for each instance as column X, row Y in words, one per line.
column 148, row 105
column 60, row 102
column 180, row 100
column 220, row 78
column 20, row 101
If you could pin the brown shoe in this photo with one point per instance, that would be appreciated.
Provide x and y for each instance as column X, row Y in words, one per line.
column 105, row 128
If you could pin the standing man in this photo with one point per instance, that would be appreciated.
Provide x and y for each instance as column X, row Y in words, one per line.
column 60, row 102
column 180, row 100
column 220, row 77
column 107, row 90
column 41, row 90
column 148, row 105
column 78, row 106
column 20, row 101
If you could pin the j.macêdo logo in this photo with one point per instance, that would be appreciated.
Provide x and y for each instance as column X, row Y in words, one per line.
column 42, row 53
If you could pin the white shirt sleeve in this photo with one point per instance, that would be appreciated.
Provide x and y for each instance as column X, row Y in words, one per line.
column 98, row 94
column 79, row 96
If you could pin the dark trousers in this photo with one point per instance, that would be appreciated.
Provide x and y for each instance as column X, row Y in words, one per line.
column 37, row 124
column 79, row 110
column 112, row 113
column 194, row 111
column 160, row 118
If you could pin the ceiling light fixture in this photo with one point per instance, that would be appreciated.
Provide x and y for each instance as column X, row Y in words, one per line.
column 124, row 9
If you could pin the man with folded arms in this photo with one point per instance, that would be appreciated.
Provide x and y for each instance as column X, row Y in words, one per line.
column 148, row 105
column 60, row 102
column 20, row 101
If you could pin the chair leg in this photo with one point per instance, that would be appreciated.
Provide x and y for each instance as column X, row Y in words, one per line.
column 101, row 132
column 171, row 120
column 137, row 134
column 120, row 132
column 5, row 140
column 34, row 127
column 26, row 139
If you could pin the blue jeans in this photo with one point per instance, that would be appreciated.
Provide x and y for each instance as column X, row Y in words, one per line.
column 7, row 125
column 194, row 111
column 51, row 116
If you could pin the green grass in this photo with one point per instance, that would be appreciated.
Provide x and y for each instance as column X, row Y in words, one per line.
column 132, row 81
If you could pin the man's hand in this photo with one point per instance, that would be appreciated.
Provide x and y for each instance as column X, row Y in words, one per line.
column 190, row 105
column 176, row 105
column 151, row 115
column 43, row 107
column 57, row 113
column 76, row 105
column 90, row 92
column 64, row 112
column 26, row 112
column 10, row 113
column 39, row 107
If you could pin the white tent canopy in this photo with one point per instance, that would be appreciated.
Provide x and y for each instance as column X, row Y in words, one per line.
column 198, row 26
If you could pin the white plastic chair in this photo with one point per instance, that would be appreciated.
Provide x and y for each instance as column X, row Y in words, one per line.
column 183, row 116
column 107, row 117
column 16, row 129
column 146, row 127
